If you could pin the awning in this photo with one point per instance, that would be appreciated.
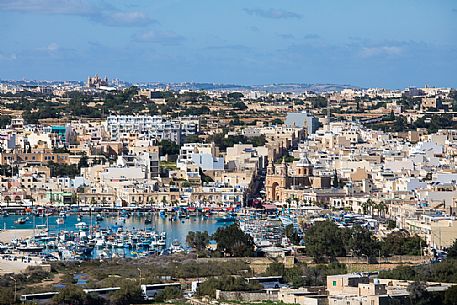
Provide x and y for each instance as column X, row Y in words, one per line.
column 270, row 207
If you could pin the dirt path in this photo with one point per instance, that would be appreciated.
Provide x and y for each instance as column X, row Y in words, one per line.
column 55, row 280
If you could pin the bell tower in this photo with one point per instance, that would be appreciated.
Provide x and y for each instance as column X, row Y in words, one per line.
column 276, row 181
column 270, row 168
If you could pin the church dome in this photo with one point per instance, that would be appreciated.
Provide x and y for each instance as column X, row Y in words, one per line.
column 304, row 161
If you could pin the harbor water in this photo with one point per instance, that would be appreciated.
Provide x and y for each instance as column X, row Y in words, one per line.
column 175, row 229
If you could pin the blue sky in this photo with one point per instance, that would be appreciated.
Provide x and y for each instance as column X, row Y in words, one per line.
column 388, row 43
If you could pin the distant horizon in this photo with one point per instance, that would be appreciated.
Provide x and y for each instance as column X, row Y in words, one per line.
column 356, row 86
column 383, row 44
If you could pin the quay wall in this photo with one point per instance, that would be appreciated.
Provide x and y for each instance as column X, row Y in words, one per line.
column 260, row 264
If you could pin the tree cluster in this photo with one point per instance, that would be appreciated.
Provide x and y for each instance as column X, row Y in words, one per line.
column 325, row 241
column 302, row 275
column 4, row 121
column 168, row 148
column 198, row 240
column 292, row 234
column 223, row 142
column 63, row 170
column 231, row 240
column 432, row 123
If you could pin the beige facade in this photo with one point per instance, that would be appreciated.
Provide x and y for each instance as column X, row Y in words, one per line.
column 301, row 297
column 34, row 158
column 356, row 289
column 438, row 232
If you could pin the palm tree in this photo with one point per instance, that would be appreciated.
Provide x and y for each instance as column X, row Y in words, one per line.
column 288, row 201
column 382, row 209
column 296, row 201
column 152, row 202
column 8, row 200
column 364, row 206
column 164, row 201
column 370, row 204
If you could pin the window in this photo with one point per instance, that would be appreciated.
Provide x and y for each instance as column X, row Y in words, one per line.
column 334, row 283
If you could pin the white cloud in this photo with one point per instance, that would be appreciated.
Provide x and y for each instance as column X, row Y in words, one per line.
column 7, row 56
column 272, row 13
column 73, row 7
column 52, row 47
column 117, row 18
column 381, row 51
column 161, row 37
column 105, row 14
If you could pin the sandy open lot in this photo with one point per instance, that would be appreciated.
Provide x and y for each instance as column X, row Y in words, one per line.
column 8, row 266
column 8, row 235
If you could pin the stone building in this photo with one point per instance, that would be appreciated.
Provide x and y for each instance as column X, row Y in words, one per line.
column 280, row 178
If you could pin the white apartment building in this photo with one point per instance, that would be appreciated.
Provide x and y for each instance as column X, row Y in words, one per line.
column 203, row 155
column 123, row 127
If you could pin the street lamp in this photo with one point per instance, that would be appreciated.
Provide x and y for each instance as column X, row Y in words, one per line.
column 15, row 287
column 139, row 270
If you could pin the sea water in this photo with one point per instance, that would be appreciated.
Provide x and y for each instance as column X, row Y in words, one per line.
column 176, row 229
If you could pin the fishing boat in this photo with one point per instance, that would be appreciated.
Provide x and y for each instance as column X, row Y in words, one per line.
column 143, row 244
column 176, row 247
column 51, row 244
column 119, row 244
column 99, row 217
column 286, row 220
column 21, row 221
column 226, row 218
column 100, row 243
column 83, row 250
column 162, row 239
column 29, row 247
column 105, row 254
column 82, row 226
column 3, row 248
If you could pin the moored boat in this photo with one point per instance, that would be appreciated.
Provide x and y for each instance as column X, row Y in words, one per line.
column 82, row 226
column 226, row 218
column 21, row 221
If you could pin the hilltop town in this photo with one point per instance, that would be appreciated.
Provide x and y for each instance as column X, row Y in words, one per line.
column 356, row 186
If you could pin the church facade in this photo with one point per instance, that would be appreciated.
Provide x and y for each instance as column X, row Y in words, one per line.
column 284, row 181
